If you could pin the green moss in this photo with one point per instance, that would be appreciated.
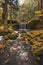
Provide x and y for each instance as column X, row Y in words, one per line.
column 4, row 32
column 12, row 36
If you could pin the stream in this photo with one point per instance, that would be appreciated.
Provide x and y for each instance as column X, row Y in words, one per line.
column 18, row 52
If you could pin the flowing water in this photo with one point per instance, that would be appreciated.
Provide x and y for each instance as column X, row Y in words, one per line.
column 18, row 52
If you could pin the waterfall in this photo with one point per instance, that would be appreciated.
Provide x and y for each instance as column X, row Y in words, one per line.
column 22, row 26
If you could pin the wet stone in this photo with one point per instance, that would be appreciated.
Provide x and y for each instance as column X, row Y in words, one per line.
column 19, row 53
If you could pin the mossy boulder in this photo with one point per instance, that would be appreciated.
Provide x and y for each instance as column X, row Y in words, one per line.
column 3, row 32
column 11, row 36
column 36, row 24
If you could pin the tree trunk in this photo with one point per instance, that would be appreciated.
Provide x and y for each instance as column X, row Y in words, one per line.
column 4, row 16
